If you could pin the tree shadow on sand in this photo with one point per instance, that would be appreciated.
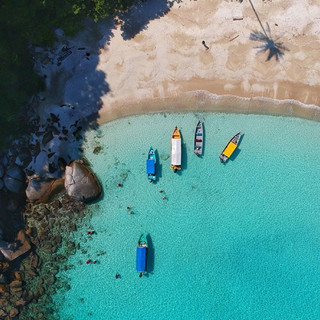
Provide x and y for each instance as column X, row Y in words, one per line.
column 276, row 48
column 141, row 13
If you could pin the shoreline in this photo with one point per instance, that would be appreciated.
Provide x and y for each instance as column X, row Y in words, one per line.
column 204, row 101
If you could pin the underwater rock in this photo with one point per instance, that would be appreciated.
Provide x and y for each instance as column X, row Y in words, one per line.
column 13, row 250
column 15, row 284
column 3, row 314
column 13, row 312
column 40, row 190
column 97, row 149
column 81, row 183
column 165, row 157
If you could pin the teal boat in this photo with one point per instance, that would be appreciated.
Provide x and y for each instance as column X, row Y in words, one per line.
column 151, row 165
column 141, row 258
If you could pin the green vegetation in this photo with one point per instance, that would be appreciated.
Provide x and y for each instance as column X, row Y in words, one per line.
column 25, row 22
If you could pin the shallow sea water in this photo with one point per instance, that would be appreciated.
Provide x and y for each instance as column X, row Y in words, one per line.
column 233, row 241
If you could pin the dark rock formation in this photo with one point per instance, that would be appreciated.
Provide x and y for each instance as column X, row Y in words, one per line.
column 11, row 251
column 41, row 190
column 14, row 179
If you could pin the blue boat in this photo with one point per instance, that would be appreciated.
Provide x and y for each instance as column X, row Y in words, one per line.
column 141, row 259
column 151, row 165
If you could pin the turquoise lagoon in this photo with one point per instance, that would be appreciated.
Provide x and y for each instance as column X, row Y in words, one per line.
column 234, row 241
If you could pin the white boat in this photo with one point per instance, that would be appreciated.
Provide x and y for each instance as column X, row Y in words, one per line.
column 176, row 150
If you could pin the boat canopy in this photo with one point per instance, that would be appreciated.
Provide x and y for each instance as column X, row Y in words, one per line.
column 230, row 149
column 151, row 166
column 176, row 152
column 141, row 262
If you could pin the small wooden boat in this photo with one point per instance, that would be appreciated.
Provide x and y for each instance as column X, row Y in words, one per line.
column 230, row 148
column 151, row 165
column 141, row 257
column 198, row 139
column 176, row 150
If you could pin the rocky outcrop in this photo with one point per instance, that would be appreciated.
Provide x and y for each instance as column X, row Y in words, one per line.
column 81, row 183
column 41, row 190
column 13, row 250
column 14, row 179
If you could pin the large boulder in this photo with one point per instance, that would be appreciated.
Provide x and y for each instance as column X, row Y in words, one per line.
column 13, row 250
column 14, row 179
column 41, row 190
column 81, row 183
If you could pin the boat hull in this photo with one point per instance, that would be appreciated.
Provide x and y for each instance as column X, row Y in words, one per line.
column 230, row 148
column 141, row 254
column 176, row 150
column 151, row 165
column 198, row 139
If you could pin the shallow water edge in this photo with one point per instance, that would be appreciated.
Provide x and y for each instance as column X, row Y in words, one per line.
column 204, row 101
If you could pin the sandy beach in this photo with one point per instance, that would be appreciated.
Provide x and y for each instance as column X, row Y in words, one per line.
column 165, row 66
column 153, row 59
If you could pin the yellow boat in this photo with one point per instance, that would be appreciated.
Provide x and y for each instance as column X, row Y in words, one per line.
column 176, row 150
column 230, row 148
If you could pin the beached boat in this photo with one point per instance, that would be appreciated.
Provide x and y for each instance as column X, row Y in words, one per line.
column 176, row 150
column 198, row 139
column 141, row 257
column 230, row 148
column 151, row 165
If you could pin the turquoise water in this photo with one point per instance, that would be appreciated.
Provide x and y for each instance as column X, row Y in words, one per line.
column 234, row 241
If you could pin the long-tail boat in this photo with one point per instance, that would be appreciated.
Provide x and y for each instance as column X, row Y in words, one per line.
column 176, row 150
column 230, row 148
column 141, row 256
column 198, row 139
column 151, row 165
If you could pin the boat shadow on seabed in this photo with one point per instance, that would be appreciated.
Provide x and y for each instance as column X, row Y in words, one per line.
column 158, row 166
column 237, row 151
column 150, row 256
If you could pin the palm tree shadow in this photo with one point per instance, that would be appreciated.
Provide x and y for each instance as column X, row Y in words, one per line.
column 276, row 48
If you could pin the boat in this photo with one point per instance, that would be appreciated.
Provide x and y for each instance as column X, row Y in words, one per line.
column 230, row 148
column 151, row 165
column 141, row 257
column 198, row 139
column 176, row 150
